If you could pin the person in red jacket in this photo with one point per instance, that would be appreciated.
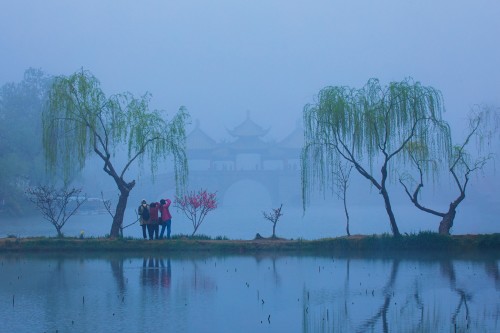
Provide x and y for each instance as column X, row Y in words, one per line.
column 153, row 219
column 166, row 218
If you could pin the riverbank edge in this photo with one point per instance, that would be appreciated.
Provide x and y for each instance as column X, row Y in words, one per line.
column 424, row 242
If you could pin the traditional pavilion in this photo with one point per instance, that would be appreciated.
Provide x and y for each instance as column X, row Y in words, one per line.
column 249, row 151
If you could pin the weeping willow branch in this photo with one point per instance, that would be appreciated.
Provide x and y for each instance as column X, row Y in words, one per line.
column 363, row 126
column 80, row 121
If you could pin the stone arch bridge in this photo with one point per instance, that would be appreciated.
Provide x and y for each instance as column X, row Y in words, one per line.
column 281, row 185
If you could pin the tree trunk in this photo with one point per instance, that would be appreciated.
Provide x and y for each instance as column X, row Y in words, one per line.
column 59, row 233
column 383, row 190
column 346, row 212
column 447, row 222
column 274, row 230
column 119, row 214
column 388, row 208
column 387, row 201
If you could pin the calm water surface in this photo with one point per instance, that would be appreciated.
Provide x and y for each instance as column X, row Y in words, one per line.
column 265, row 293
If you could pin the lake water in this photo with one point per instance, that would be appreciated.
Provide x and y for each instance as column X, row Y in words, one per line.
column 243, row 293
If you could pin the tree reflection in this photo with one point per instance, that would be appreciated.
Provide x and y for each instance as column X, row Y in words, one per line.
column 348, row 294
column 200, row 280
column 276, row 276
column 448, row 271
column 259, row 258
column 491, row 268
column 388, row 292
column 117, row 270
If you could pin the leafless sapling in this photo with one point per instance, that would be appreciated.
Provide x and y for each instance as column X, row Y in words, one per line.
column 56, row 205
column 273, row 216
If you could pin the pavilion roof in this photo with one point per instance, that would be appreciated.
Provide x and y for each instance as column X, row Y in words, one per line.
column 199, row 140
column 248, row 143
column 248, row 128
column 294, row 140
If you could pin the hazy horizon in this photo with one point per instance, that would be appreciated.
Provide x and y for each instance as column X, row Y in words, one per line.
column 222, row 59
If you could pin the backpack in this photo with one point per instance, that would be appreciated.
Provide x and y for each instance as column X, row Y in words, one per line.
column 145, row 214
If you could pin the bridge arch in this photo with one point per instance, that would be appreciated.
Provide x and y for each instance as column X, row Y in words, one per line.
column 280, row 186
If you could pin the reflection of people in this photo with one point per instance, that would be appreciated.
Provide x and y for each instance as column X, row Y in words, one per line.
column 150, row 272
column 154, row 273
column 165, row 274
column 143, row 211
column 166, row 218
column 153, row 211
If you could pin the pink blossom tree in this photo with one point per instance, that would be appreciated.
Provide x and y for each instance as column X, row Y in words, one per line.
column 196, row 205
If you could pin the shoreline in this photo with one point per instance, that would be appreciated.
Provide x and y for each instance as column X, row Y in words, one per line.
column 423, row 242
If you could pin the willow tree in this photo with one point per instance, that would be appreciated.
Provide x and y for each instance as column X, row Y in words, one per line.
column 369, row 126
column 461, row 164
column 80, row 121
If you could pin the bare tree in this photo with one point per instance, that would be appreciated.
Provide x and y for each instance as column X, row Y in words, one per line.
column 56, row 205
column 107, row 205
column 341, row 183
column 273, row 216
column 482, row 126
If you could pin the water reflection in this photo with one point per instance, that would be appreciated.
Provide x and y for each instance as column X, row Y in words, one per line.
column 493, row 272
column 381, row 314
column 448, row 271
column 114, row 292
column 117, row 270
column 155, row 273
column 414, row 310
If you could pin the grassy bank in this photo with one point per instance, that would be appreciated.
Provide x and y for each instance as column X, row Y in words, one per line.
column 422, row 242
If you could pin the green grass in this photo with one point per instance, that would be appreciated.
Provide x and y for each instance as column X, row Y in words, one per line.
column 414, row 243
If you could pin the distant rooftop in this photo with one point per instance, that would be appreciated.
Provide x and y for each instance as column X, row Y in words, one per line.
column 248, row 139
column 294, row 140
column 248, row 128
column 198, row 139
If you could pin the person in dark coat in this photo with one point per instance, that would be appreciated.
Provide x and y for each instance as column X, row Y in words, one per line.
column 143, row 217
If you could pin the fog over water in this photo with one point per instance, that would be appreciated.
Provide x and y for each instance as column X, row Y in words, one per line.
column 225, row 59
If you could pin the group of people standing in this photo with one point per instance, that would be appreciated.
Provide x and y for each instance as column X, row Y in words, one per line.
column 154, row 215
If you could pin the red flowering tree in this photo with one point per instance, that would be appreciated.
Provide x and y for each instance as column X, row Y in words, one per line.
column 196, row 205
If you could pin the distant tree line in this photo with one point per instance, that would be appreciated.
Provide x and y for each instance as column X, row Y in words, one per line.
column 21, row 152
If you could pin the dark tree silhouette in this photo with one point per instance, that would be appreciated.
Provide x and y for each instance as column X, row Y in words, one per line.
column 273, row 217
column 81, row 121
column 368, row 125
column 461, row 166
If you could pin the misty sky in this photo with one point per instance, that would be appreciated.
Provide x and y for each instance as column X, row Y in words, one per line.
column 221, row 58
